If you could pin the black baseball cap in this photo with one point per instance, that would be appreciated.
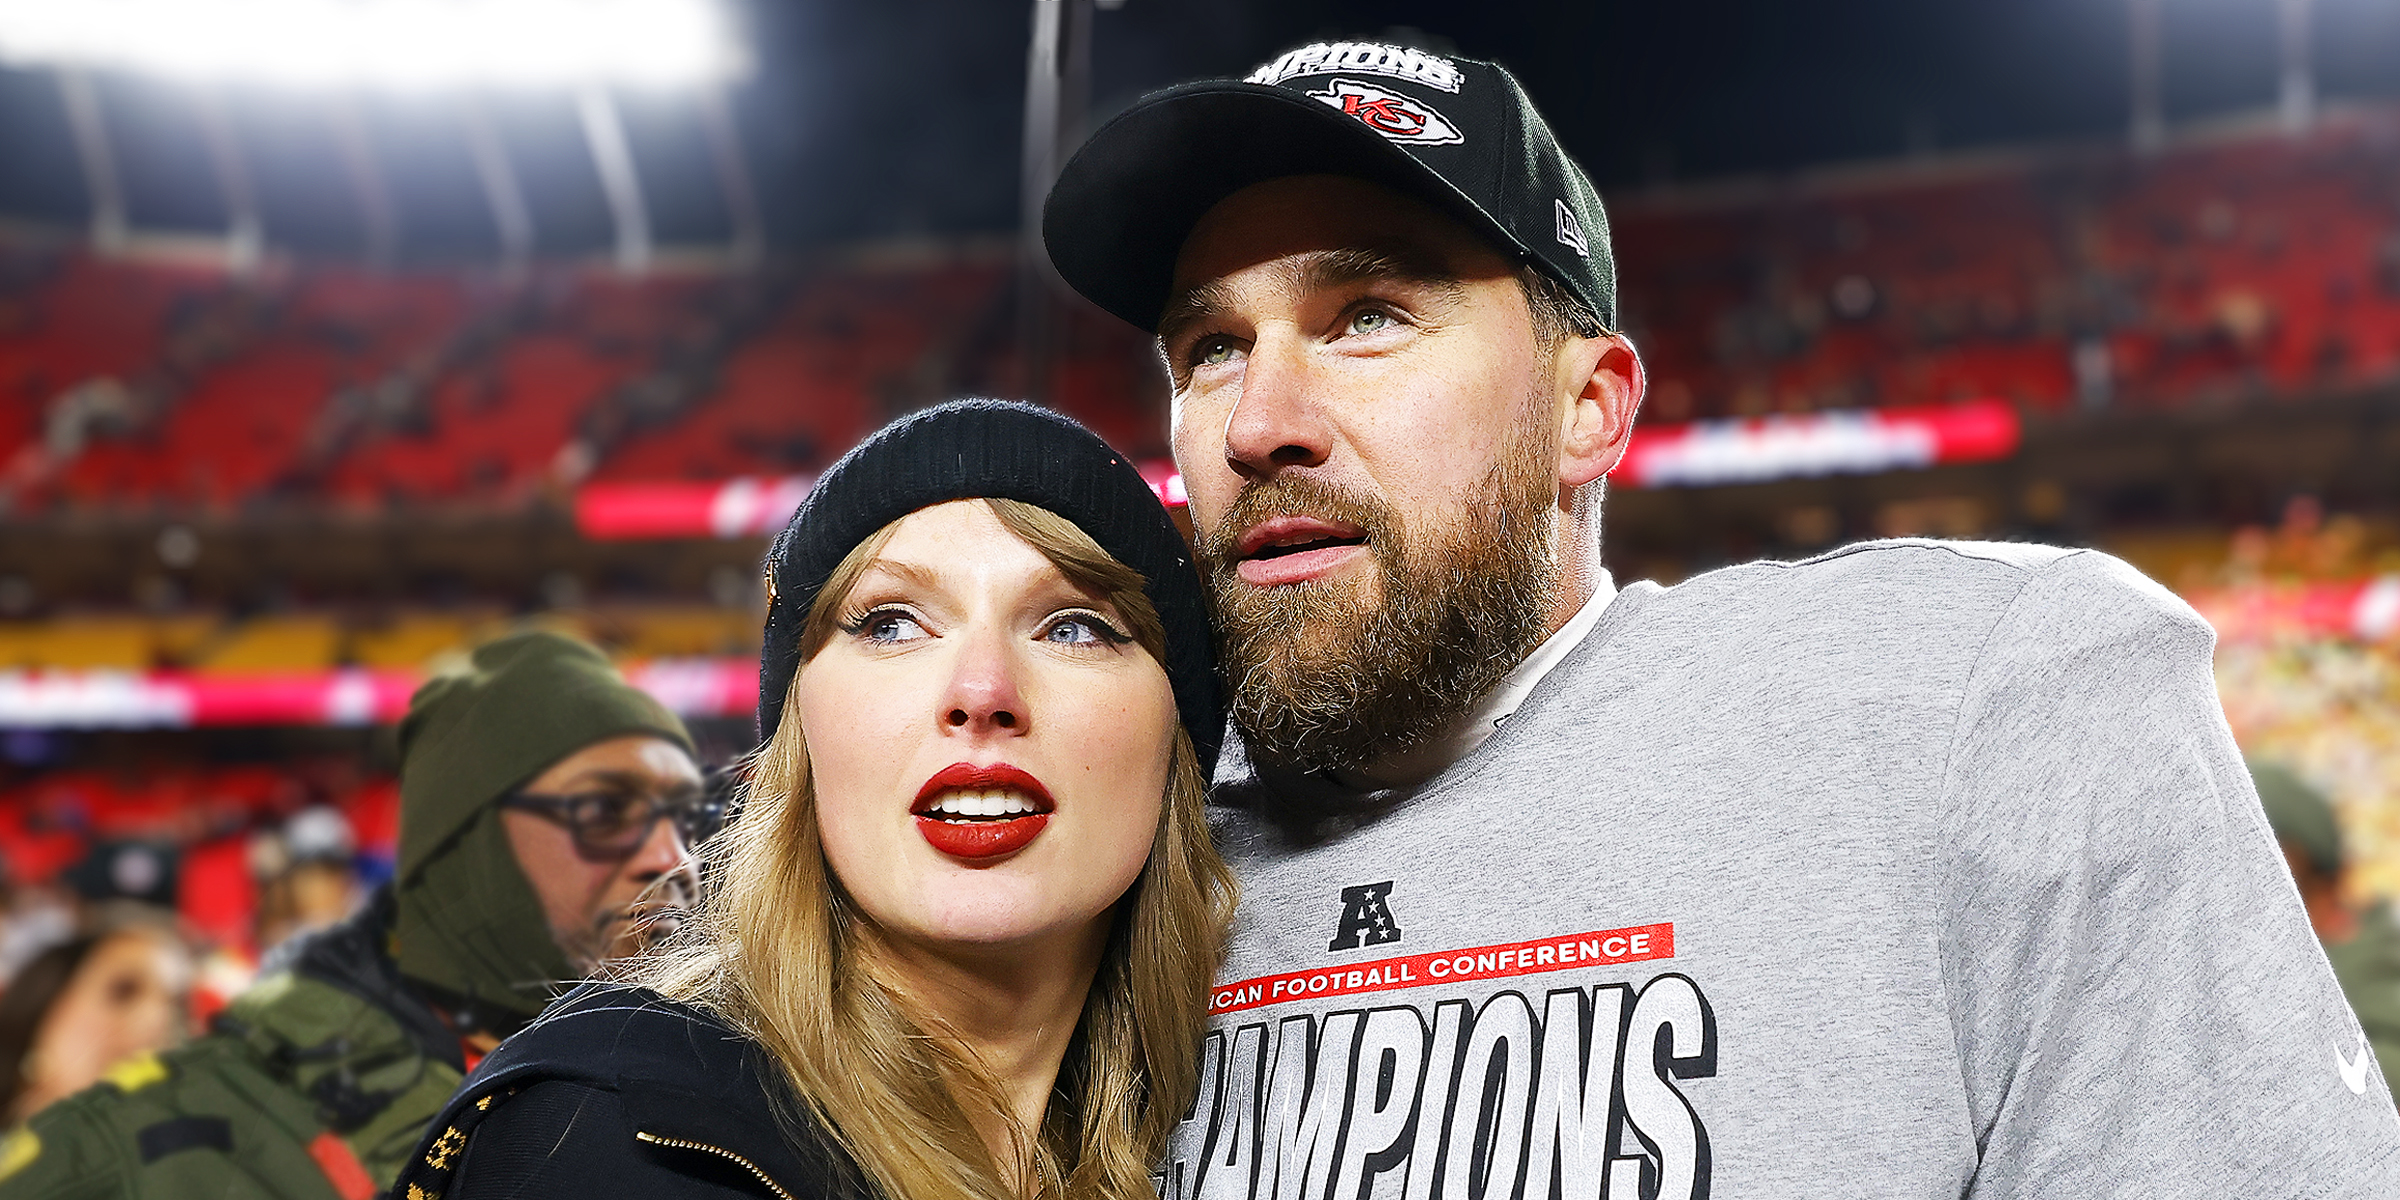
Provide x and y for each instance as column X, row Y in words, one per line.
column 1458, row 134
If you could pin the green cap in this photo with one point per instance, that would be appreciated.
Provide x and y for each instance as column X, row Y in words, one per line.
column 470, row 923
column 2301, row 816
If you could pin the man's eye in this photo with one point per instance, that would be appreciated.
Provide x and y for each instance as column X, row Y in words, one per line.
column 1369, row 320
column 605, row 814
column 1212, row 352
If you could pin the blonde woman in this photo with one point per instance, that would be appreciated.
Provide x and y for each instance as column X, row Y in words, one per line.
column 958, row 940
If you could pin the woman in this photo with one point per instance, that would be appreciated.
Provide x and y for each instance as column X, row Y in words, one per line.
column 957, row 942
column 88, row 1005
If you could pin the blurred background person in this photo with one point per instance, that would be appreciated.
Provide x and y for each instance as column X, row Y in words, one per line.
column 308, row 875
column 97, row 1002
column 548, row 810
column 32, row 920
column 2361, row 940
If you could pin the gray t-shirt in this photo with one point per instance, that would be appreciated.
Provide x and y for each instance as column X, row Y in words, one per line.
column 1918, row 869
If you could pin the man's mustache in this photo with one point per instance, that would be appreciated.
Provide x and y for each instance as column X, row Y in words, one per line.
column 1297, row 496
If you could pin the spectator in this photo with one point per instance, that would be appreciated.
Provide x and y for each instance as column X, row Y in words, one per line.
column 547, row 811
column 89, row 1005
column 308, row 881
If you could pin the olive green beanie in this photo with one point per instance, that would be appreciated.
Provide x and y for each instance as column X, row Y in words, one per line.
column 470, row 924
column 2300, row 815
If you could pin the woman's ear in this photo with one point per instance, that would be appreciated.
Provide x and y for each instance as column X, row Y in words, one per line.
column 1596, row 423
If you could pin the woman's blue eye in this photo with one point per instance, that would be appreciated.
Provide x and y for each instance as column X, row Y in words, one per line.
column 1076, row 630
column 888, row 627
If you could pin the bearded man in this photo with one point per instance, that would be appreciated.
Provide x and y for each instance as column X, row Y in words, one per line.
column 1919, row 869
column 547, row 810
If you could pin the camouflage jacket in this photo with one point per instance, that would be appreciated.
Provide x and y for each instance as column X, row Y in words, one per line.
column 316, row 1084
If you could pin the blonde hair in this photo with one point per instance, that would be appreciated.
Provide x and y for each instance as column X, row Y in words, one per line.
column 775, row 951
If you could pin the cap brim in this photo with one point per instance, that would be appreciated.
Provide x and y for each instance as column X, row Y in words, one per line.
column 1116, row 220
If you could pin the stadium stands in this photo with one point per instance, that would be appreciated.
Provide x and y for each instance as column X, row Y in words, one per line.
column 207, row 393
column 2224, row 269
column 205, row 821
column 323, row 641
column 2229, row 268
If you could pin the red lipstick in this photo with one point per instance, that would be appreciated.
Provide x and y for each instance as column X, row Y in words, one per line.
column 978, row 838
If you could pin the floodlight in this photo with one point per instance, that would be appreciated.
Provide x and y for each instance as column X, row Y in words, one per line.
column 383, row 43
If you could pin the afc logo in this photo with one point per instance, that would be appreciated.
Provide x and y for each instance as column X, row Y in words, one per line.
column 1395, row 116
column 1366, row 919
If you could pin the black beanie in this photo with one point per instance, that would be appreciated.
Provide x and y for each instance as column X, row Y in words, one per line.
column 993, row 449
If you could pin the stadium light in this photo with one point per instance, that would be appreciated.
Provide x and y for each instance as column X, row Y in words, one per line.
column 409, row 44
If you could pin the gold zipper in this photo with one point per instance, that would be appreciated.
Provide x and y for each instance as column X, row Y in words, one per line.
column 681, row 1144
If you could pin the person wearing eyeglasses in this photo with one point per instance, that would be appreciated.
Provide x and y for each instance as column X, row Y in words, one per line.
column 604, row 836
column 547, row 815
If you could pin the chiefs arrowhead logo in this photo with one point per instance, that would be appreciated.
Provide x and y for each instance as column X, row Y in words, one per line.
column 1403, row 119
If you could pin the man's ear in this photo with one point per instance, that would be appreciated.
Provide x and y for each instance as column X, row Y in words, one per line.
column 1597, row 422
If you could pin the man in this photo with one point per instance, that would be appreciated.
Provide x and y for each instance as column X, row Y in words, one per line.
column 2363, row 944
column 1918, row 869
column 546, row 812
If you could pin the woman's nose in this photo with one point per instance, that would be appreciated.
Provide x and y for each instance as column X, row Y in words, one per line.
column 984, row 696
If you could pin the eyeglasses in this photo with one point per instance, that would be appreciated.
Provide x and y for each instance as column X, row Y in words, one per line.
column 612, row 826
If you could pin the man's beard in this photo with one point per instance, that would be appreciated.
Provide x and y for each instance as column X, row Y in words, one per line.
column 1325, row 675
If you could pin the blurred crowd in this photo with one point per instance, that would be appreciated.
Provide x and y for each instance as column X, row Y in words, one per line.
column 223, row 943
column 102, row 965
column 2238, row 267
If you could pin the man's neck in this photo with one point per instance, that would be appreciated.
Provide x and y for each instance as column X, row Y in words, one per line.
column 1580, row 578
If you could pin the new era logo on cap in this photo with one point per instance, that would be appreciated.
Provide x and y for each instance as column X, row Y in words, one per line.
column 1570, row 230
column 1404, row 120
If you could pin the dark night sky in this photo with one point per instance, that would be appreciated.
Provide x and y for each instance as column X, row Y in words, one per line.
column 897, row 117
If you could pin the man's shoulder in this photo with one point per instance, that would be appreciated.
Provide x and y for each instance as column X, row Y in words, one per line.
column 1906, row 568
column 1898, row 584
column 313, row 1035
column 298, row 1009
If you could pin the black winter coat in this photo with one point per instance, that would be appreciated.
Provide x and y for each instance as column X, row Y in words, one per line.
column 616, row 1091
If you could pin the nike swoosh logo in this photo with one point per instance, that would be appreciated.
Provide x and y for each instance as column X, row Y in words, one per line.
column 2354, row 1074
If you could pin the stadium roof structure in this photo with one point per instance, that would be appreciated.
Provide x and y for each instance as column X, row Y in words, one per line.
column 383, row 43
column 245, row 82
